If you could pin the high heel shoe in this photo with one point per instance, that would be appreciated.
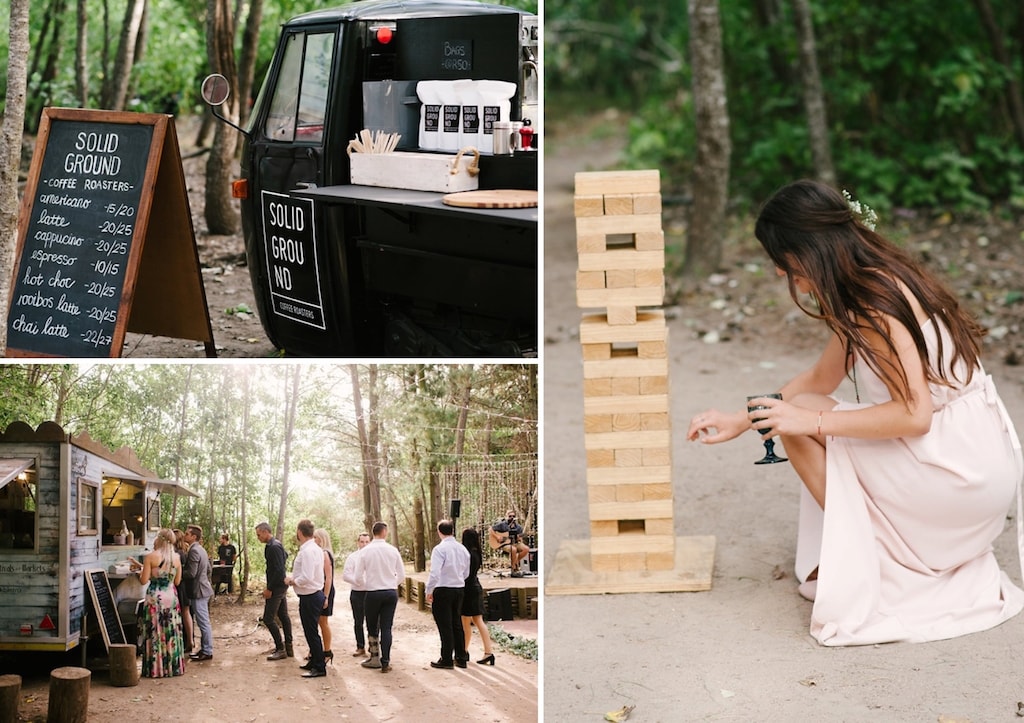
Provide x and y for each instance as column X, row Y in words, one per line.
column 489, row 660
column 328, row 657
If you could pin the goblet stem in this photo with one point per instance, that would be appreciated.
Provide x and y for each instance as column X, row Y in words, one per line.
column 769, row 454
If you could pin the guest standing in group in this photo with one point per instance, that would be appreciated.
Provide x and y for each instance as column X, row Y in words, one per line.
column 357, row 595
column 275, row 594
column 181, row 547
column 449, row 568
column 321, row 538
column 197, row 568
column 308, row 580
column 473, row 598
column 226, row 554
column 163, row 654
column 379, row 570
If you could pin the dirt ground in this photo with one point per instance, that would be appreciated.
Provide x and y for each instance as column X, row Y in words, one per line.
column 240, row 685
column 742, row 651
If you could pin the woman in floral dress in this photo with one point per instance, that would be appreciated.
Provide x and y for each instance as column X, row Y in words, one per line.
column 163, row 653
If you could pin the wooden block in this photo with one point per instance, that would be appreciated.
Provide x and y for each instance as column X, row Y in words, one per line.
column 650, row 277
column 649, row 241
column 657, row 420
column 10, row 694
column 629, row 493
column 624, row 258
column 600, row 182
column 124, row 670
column 618, row 204
column 654, row 385
column 628, row 422
column 649, row 326
column 632, row 561
column 642, row 510
column 622, row 386
column 657, row 456
column 625, row 315
column 662, row 491
column 629, row 458
column 69, row 694
column 612, row 405
column 597, row 352
column 625, row 367
column 589, row 205
column 652, row 349
column 624, row 351
column 604, row 528
column 591, row 244
column 601, row 494
column 599, row 459
column 618, row 225
column 646, row 203
column 645, row 476
column 619, row 278
column 600, row 387
column 627, row 440
column 660, row 526
column 632, row 544
column 591, row 279
column 660, row 560
column 595, row 423
column 604, row 563
column 620, row 298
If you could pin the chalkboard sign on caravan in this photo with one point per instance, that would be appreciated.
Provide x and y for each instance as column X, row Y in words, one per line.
column 83, row 228
column 105, row 608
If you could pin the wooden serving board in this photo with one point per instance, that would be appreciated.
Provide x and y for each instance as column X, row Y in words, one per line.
column 497, row 198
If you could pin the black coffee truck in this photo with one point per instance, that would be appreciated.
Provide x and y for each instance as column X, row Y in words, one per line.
column 389, row 181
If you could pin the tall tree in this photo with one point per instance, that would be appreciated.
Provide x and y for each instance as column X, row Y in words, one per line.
column 292, row 406
column 1014, row 97
column 247, row 58
column 714, row 147
column 10, row 148
column 220, row 212
column 814, row 97
column 82, row 53
column 115, row 90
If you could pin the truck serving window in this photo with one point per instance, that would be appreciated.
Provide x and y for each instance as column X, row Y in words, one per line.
column 299, row 103
column 18, row 504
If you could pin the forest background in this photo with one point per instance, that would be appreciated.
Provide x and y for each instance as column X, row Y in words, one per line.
column 342, row 445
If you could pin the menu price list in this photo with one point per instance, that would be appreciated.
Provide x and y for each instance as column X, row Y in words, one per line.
column 69, row 283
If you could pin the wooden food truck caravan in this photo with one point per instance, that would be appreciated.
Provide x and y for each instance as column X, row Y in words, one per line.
column 64, row 502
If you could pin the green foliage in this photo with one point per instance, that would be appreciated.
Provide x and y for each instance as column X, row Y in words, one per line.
column 523, row 647
column 915, row 99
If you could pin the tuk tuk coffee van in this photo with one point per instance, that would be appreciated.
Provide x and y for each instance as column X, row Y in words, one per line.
column 390, row 268
column 68, row 505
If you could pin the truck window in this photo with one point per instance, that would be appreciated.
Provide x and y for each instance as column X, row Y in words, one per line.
column 124, row 506
column 299, row 103
column 18, row 504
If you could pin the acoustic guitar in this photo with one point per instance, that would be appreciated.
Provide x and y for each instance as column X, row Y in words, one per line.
column 497, row 540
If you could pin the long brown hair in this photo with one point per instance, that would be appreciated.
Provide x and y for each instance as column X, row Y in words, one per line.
column 808, row 229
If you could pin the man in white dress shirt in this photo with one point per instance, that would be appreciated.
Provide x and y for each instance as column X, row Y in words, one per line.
column 308, row 580
column 379, row 569
column 357, row 596
column 446, row 584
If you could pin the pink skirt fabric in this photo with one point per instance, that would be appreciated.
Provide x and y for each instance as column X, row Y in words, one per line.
column 904, row 546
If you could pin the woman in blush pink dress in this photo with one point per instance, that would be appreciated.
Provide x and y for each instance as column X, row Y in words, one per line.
column 905, row 487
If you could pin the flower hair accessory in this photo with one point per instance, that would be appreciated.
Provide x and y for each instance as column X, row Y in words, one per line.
column 864, row 213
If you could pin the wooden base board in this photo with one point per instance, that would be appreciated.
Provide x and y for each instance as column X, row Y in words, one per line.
column 572, row 573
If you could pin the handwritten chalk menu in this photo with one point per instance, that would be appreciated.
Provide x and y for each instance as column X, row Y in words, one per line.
column 105, row 608
column 96, row 256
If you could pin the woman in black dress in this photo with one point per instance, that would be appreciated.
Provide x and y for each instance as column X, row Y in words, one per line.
column 473, row 599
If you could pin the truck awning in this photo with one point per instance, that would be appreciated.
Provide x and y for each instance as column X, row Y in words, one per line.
column 12, row 467
column 160, row 485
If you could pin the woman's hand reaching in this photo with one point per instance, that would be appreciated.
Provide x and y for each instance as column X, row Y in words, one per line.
column 712, row 426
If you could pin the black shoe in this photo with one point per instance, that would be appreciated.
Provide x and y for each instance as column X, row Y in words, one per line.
column 328, row 657
column 200, row 657
column 307, row 666
column 460, row 663
column 385, row 667
column 442, row 664
column 288, row 650
column 488, row 660
column 314, row 673
column 277, row 655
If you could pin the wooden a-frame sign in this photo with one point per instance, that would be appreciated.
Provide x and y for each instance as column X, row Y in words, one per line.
column 106, row 243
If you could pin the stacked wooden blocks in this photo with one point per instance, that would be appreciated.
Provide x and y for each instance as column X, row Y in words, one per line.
column 621, row 249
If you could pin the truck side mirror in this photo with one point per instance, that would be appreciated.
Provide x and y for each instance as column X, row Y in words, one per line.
column 215, row 91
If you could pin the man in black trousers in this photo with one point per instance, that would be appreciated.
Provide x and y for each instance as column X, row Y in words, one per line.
column 275, row 595
column 446, row 583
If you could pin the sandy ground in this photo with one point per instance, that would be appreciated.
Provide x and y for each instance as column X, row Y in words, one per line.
column 741, row 651
column 240, row 685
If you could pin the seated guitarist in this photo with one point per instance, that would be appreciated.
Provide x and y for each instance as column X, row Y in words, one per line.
column 507, row 533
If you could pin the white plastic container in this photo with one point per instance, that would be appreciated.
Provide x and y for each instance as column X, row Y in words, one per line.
column 429, row 93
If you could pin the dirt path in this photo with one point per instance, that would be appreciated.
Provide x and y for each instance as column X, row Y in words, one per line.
column 239, row 684
column 741, row 651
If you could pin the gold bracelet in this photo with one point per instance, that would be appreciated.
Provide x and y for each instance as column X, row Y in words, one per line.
column 820, row 413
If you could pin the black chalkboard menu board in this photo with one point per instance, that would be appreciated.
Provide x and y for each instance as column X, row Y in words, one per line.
column 105, row 608
column 86, row 218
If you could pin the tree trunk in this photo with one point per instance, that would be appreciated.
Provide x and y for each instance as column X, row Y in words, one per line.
column 419, row 555
column 768, row 12
column 289, row 430
column 247, row 60
column 460, row 432
column 220, row 211
column 714, row 148
column 367, row 449
column 11, row 132
column 1013, row 89
column 115, row 93
column 373, row 442
column 243, row 576
column 82, row 54
column 814, row 97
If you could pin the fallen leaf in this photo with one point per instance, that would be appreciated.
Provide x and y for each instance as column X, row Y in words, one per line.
column 808, row 682
column 616, row 716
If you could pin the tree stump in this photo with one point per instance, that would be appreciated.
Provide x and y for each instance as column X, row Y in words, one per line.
column 10, row 691
column 124, row 671
column 69, row 695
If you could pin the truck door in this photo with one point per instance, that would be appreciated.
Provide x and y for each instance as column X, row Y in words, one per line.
column 288, row 259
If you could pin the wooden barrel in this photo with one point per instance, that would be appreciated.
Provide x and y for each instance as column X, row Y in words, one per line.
column 124, row 671
column 69, row 695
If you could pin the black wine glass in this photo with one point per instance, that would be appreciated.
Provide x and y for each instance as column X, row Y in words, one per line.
column 769, row 444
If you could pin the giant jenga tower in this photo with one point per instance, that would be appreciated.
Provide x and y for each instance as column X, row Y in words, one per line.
column 627, row 435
